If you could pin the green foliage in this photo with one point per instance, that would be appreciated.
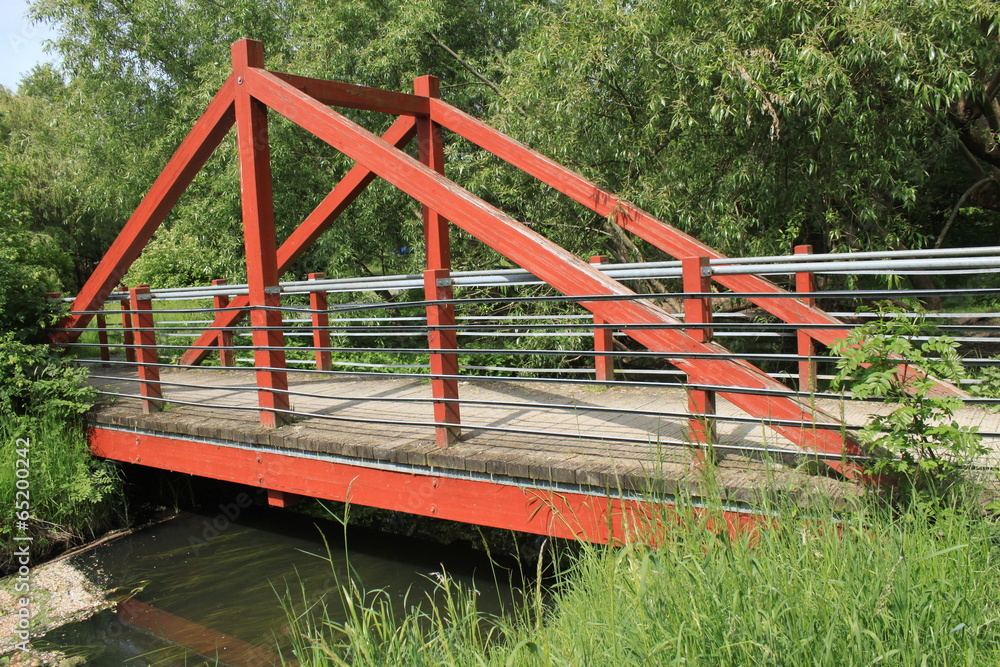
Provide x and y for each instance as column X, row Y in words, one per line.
column 38, row 382
column 989, row 385
column 29, row 266
column 915, row 589
column 73, row 496
column 919, row 439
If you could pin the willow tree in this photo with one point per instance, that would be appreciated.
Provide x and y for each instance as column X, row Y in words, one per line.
column 755, row 124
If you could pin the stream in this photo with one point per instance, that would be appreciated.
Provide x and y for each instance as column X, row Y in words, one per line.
column 211, row 585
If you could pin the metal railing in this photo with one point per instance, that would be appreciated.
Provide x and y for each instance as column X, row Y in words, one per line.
column 508, row 329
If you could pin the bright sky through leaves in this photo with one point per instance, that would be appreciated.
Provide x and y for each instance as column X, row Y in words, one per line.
column 20, row 42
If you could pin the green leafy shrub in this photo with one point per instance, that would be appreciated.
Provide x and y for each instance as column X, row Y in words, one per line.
column 919, row 439
column 36, row 381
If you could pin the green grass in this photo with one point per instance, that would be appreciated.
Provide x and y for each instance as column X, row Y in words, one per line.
column 917, row 588
column 72, row 495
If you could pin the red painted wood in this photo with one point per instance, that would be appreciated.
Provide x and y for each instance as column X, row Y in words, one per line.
column 216, row 646
column 258, row 231
column 128, row 339
column 102, row 337
column 480, row 502
column 639, row 222
column 696, row 278
column 141, row 305
column 806, row 344
column 437, row 287
column 189, row 158
column 604, row 365
column 431, row 153
column 321, row 218
column 320, row 323
column 551, row 263
column 282, row 499
column 227, row 357
column 339, row 94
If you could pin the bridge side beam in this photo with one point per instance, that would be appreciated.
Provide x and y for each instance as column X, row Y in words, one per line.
column 187, row 160
column 319, row 220
column 556, row 513
column 552, row 263
column 259, row 236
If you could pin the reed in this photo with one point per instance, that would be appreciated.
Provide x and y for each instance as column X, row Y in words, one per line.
column 916, row 587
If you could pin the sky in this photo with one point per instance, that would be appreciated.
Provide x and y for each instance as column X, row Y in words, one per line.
column 20, row 42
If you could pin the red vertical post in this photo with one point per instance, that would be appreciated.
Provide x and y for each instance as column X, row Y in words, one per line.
column 604, row 364
column 697, row 278
column 437, row 280
column 805, row 282
column 437, row 287
column 141, row 305
column 128, row 340
column 227, row 355
column 320, row 324
column 258, row 230
column 102, row 337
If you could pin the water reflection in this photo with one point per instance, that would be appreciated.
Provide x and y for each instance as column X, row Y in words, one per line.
column 224, row 574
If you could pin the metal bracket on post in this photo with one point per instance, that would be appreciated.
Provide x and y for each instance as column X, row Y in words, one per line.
column 141, row 305
column 805, row 282
column 442, row 363
column 320, row 324
column 604, row 364
column 227, row 355
column 697, row 279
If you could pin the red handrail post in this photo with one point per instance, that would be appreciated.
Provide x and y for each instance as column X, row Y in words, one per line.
column 805, row 282
column 320, row 324
column 437, row 287
column 697, row 279
column 141, row 305
column 437, row 282
column 261, row 246
column 604, row 364
column 102, row 337
column 128, row 340
column 227, row 355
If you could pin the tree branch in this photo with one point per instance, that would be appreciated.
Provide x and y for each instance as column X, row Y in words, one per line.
column 961, row 200
column 472, row 70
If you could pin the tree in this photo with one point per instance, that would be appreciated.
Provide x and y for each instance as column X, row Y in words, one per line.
column 753, row 125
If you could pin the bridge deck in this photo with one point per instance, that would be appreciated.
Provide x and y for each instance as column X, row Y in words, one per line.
column 582, row 446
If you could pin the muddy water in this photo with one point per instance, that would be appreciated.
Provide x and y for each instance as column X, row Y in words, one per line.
column 202, row 576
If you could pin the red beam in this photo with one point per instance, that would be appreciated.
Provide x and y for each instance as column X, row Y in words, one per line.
column 339, row 94
column 346, row 191
column 187, row 160
column 480, row 502
column 216, row 646
column 259, row 238
column 633, row 219
column 551, row 263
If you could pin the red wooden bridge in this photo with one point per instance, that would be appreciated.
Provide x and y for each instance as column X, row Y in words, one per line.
column 586, row 458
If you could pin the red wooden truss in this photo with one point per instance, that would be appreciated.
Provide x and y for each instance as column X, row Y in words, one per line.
column 243, row 101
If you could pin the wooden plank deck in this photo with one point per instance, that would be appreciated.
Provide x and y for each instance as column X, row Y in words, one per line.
column 585, row 447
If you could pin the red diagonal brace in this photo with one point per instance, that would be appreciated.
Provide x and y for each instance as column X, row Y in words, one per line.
column 553, row 264
column 631, row 218
column 346, row 191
